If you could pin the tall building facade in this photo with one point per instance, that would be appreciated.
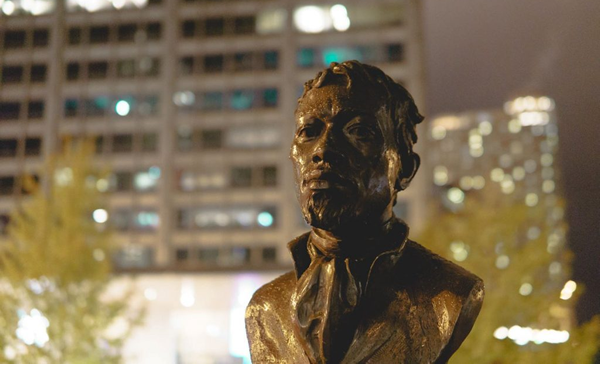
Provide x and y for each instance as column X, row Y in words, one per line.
column 191, row 104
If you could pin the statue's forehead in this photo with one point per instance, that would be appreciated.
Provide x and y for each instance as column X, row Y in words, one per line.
column 332, row 99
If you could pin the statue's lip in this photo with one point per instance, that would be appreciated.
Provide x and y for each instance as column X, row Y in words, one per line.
column 324, row 179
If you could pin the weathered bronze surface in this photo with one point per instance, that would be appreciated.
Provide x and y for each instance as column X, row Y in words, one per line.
column 361, row 292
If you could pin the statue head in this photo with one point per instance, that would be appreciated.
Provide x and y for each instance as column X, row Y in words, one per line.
column 353, row 147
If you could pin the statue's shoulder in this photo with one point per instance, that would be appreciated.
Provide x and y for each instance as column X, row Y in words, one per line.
column 277, row 290
column 438, row 273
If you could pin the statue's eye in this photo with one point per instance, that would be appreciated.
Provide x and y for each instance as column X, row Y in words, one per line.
column 308, row 132
column 360, row 131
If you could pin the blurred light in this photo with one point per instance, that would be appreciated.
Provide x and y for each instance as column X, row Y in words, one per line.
column 100, row 215
column 502, row 262
column 311, row 19
column 555, row 268
column 530, row 166
column 485, row 128
column 122, row 108
column 150, row 294
column 505, row 160
column 187, row 297
column 478, row 182
column 567, row 291
column 523, row 335
column 546, row 159
column 525, row 289
column 32, row 328
column 270, row 21
column 9, row 352
column 64, row 176
column 497, row 174
column 154, row 172
column 265, row 219
column 533, row 118
column 450, row 122
column 518, row 173
column 8, row 7
column 98, row 255
column 460, row 251
column 507, row 186
column 455, row 195
column 501, row 333
column 514, row 126
column 440, row 175
column 545, row 103
column 438, row 132
column 102, row 185
column 531, row 199
column 533, row 233
column 476, row 152
column 466, row 182
column 184, row 98
column 339, row 15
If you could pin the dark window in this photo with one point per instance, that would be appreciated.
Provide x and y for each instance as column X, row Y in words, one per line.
column 269, row 254
column 72, row 71
column 9, row 110
column 74, row 36
column 242, row 61
column 208, row 255
column 235, row 256
column 271, row 60
column 305, row 57
column 35, row 109
column 395, row 52
column 153, row 31
column 7, row 185
column 214, row 27
column 134, row 257
column 212, row 139
column 4, row 220
column 33, row 146
column 186, row 66
column 71, row 107
column 96, row 107
column 148, row 105
column 241, row 177
column 99, row 142
column 213, row 63
column 150, row 66
column 14, row 39
column 8, row 147
column 270, row 176
column 122, row 143
column 244, row 25
column 38, row 73
column 122, row 181
column 12, row 74
column 270, row 97
column 149, row 142
column 212, row 101
column 126, row 68
column 126, row 32
column 188, row 29
column 182, row 254
column 97, row 70
column 154, row 2
column 99, row 34
column 40, row 37
column 184, row 139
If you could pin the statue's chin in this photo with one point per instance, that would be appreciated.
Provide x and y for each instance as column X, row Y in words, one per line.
column 329, row 213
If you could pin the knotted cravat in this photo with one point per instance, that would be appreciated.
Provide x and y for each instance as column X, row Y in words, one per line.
column 329, row 292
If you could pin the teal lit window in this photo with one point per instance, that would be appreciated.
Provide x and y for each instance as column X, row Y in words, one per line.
column 242, row 99
column 305, row 57
column 271, row 60
column 270, row 97
column 341, row 54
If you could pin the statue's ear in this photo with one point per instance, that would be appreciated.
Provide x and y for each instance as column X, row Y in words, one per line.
column 410, row 165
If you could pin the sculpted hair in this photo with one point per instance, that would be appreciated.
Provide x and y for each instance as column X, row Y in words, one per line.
column 400, row 104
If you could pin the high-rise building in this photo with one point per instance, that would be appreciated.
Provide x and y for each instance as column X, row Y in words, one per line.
column 514, row 148
column 191, row 104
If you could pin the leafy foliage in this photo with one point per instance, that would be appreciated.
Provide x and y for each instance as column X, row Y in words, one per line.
column 476, row 236
column 54, row 264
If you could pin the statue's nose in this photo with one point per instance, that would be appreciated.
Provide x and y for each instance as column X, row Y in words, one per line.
column 325, row 150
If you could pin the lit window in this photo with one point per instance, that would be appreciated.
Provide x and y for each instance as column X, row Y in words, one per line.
column 242, row 99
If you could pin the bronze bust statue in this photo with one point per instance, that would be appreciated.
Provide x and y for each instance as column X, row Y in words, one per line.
column 361, row 291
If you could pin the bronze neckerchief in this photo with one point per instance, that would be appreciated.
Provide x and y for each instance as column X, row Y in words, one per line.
column 329, row 292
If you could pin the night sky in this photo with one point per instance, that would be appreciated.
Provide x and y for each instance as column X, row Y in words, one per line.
column 479, row 53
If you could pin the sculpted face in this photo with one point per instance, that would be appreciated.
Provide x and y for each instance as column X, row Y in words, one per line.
column 345, row 159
